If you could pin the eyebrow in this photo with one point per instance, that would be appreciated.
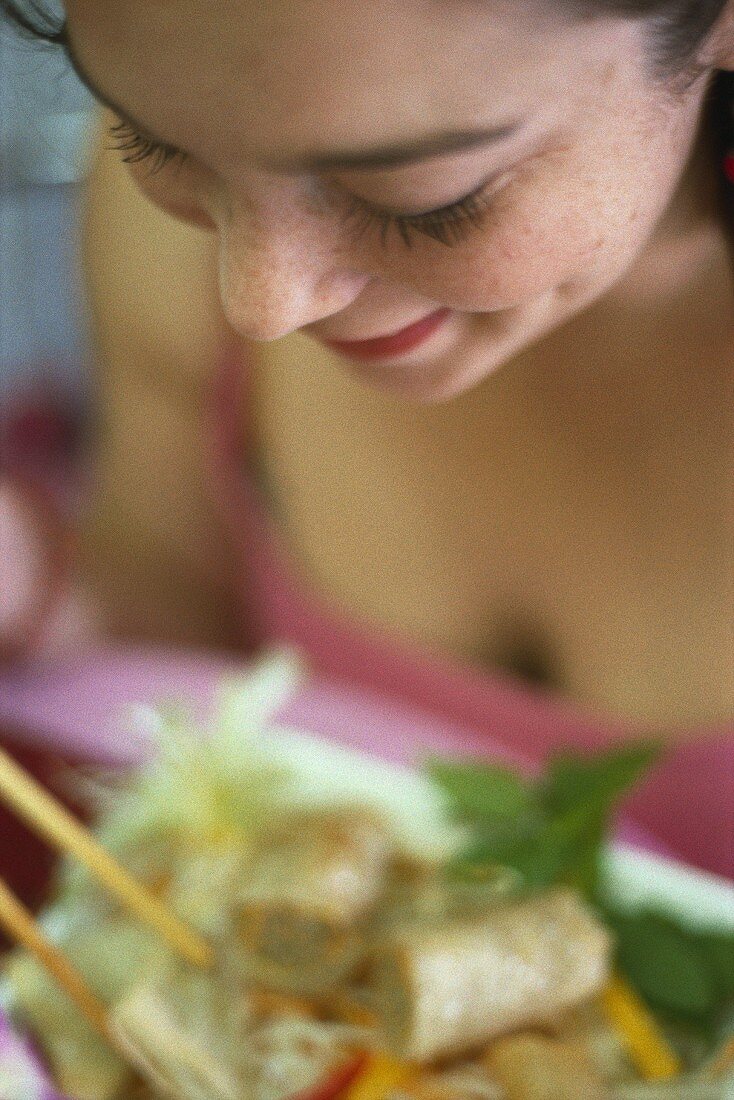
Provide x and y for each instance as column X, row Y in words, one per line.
column 388, row 156
column 402, row 153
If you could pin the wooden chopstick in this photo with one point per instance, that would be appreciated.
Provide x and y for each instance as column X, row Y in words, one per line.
column 19, row 924
column 44, row 813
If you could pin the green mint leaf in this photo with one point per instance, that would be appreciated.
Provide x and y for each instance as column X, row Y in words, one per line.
column 666, row 965
column 597, row 780
column 544, row 852
column 551, row 830
column 543, row 862
column 719, row 950
column 483, row 792
column 584, row 870
column 566, row 850
column 494, row 843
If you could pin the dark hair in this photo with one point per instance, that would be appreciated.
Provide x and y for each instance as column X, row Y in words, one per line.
column 675, row 28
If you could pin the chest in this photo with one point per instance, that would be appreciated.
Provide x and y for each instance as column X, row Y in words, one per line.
column 569, row 520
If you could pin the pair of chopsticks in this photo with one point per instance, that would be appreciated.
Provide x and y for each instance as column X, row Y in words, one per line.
column 50, row 819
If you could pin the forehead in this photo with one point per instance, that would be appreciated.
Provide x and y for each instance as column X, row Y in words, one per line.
column 272, row 75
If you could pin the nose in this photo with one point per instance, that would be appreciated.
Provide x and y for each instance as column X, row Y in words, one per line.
column 280, row 270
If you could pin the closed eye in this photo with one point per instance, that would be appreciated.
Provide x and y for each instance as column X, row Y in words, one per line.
column 449, row 225
column 137, row 148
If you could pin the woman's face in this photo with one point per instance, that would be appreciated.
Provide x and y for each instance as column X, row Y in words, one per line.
column 317, row 139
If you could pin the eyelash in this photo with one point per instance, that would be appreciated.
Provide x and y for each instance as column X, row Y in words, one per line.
column 449, row 225
column 138, row 148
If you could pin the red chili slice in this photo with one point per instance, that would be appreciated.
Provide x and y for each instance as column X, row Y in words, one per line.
column 333, row 1086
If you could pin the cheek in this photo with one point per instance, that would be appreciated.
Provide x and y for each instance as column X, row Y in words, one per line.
column 176, row 191
column 561, row 223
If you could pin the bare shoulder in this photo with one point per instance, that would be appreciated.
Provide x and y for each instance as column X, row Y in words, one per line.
column 154, row 543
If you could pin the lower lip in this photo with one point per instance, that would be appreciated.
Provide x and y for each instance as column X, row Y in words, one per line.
column 387, row 347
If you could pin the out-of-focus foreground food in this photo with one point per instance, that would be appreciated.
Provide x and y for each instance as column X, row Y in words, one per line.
column 363, row 949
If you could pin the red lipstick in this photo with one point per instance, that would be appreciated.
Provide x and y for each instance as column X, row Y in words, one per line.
column 398, row 343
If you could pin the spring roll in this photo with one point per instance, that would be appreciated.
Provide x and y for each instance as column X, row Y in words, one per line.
column 305, row 901
column 441, row 991
column 533, row 1067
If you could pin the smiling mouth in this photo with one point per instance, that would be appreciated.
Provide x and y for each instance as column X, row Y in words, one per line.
column 396, row 343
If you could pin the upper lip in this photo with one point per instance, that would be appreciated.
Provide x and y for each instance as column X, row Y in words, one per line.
column 375, row 336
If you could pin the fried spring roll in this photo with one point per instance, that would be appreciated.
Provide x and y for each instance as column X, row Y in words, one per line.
column 305, row 900
column 532, row 1067
column 444, row 990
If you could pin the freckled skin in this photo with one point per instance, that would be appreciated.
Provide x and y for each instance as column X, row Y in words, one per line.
column 586, row 186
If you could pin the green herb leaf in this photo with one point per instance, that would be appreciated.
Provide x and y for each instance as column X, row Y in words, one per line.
column 482, row 791
column 551, row 830
column 667, row 965
column 597, row 780
column 719, row 950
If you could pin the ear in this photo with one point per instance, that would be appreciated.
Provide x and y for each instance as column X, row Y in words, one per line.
column 717, row 51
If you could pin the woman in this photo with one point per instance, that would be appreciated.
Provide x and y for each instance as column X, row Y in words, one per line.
column 475, row 343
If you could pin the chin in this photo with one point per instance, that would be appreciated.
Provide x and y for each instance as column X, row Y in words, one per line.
column 429, row 383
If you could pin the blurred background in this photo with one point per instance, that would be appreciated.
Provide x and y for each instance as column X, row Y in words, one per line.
column 45, row 123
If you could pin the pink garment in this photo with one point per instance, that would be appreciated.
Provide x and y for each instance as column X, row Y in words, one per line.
column 368, row 690
column 687, row 805
column 43, row 607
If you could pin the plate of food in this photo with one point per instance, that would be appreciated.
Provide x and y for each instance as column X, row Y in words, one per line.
column 453, row 930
